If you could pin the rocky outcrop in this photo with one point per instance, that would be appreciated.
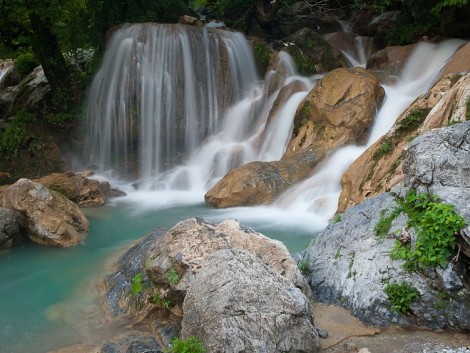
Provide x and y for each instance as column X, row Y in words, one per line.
column 351, row 266
column 51, row 218
column 380, row 167
column 337, row 111
column 10, row 226
column 170, row 268
column 258, row 183
column 238, row 304
column 390, row 60
column 311, row 52
column 458, row 62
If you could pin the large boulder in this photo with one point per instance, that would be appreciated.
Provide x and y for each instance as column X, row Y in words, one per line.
column 351, row 266
column 379, row 168
column 337, row 111
column 51, row 218
column 238, row 304
column 259, row 183
column 459, row 61
column 153, row 280
column 390, row 60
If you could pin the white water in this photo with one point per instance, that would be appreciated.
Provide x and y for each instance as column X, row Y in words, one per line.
column 251, row 125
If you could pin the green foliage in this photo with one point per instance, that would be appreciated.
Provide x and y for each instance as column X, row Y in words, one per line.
column 25, row 63
column 413, row 120
column 188, row 345
column 382, row 227
column 158, row 300
column 401, row 295
column 13, row 138
column 172, row 276
column 262, row 52
column 337, row 218
column 435, row 223
column 385, row 147
column 303, row 267
column 137, row 284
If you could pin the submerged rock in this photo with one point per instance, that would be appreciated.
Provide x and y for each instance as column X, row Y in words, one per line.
column 51, row 218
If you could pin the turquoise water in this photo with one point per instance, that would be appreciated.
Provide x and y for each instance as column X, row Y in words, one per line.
column 47, row 294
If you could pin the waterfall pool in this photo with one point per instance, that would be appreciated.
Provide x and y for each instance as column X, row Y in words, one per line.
column 48, row 296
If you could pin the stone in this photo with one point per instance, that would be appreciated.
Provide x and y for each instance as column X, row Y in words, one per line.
column 190, row 21
column 10, row 226
column 51, row 218
column 350, row 266
column 132, row 342
column 258, row 183
column 238, row 304
column 337, row 111
column 169, row 262
column 61, row 183
column 374, row 171
column 458, row 62
column 391, row 59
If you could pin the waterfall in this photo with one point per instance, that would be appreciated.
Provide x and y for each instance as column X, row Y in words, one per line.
column 319, row 194
column 177, row 107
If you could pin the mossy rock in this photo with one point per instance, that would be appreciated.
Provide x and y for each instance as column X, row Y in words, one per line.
column 312, row 53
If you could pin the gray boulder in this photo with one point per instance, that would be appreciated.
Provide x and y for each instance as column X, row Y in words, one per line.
column 351, row 266
column 238, row 304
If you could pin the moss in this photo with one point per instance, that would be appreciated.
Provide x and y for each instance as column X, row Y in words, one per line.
column 385, row 147
column 262, row 55
column 301, row 118
column 305, row 66
column 414, row 120
column 467, row 113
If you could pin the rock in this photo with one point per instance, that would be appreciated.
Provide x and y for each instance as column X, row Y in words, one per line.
column 311, row 52
column 259, row 183
column 190, row 21
column 337, row 111
column 458, row 62
column 32, row 91
column 350, row 266
column 438, row 163
column 51, row 218
column 379, row 168
column 10, row 226
column 61, row 183
column 238, row 304
column 132, row 342
column 9, row 76
column 391, row 59
column 348, row 42
column 168, row 263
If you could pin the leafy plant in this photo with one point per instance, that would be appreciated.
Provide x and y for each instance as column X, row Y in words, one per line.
column 401, row 295
column 137, row 284
column 384, row 223
column 188, row 345
column 337, row 218
column 25, row 63
column 157, row 299
column 413, row 120
column 303, row 267
column 435, row 223
column 172, row 276
column 385, row 147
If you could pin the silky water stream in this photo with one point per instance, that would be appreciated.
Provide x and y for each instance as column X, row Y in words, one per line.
column 171, row 111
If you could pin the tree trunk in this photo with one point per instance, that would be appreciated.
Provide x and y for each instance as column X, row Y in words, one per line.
column 265, row 18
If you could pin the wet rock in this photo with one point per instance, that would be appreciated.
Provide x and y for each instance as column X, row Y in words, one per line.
column 237, row 303
column 337, row 111
column 391, row 59
column 51, row 218
column 458, row 63
column 10, row 226
column 258, row 183
column 379, row 168
column 132, row 342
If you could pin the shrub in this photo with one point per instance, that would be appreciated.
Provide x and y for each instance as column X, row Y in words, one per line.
column 413, row 120
column 188, row 345
column 303, row 267
column 435, row 223
column 172, row 276
column 401, row 295
column 385, row 147
column 137, row 284
column 25, row 63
